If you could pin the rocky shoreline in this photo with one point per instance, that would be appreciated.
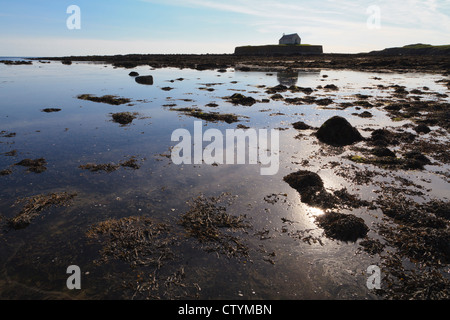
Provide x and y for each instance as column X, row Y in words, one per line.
column 369, row 62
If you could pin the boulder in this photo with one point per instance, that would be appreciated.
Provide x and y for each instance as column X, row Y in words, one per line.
column 300, row 125
column 133, row 74
column 344, row 227
column 148, row 80
column 311, row 189
column 382, row 152
column 422, row 128
column 337, row 131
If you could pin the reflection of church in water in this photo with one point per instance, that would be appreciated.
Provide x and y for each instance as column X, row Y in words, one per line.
column 290, row 78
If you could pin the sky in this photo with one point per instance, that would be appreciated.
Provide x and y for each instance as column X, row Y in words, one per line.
column 31, row 28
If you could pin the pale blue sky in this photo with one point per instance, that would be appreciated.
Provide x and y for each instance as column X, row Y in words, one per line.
column 38, row 28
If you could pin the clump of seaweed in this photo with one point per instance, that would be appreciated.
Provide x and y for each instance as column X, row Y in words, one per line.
column 16, row 63
column 135, row 240
column 107, row 167
column 410, row 213
column 124, row 117
column 401, row 283
column 36, row 165
column 208, row 116
column 111, row 167
column 345, row 227
column 109, row 99
column 240, row 99
column 312, row 191
column 372, row 246
column 5, row 172
column 35, row 205
column 48, row 110
column 212, row 226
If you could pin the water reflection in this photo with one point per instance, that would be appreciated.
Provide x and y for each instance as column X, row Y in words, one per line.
column 315, row 212
column 291, row 78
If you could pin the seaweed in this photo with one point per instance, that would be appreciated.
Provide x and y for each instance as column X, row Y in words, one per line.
column 212, row 226
column 36, row 165
column 135, row 240
column 111, row 167
column 109, row 99
column 124, row 118
column 35, row 205
column 208, row 116
column 49, row 110
column 345, row 227
column 239, row 99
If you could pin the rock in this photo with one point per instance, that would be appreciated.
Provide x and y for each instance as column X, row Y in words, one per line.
column 300, row 125
column 344, row 227
column 133, row 74
column 337, row 131
column 422, row 128
column 310, row 187
column 243, row 69
column 365, row 114
column 148, row 80
column 324, row 102
column 36, row 165
column 48, row 110
column 123, row 117
column 415, row 160
column 383, row 137
column 239, row 99
column 331, row 87
column 277, row 96
column 383, row 152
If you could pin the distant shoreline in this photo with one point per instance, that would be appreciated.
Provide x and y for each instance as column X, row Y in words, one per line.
column 411, row 58
column 375, row 61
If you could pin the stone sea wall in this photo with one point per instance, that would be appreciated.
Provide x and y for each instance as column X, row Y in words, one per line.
column 271, row 50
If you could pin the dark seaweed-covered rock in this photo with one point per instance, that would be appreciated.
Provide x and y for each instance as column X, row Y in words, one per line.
column 415, row 160
column 48, row 110
column 277, row 96
column 109, row 99
column 337, row 131
column 422, row 128
column 307, row 91
column 345, row 227
column 148, row 80
column 240, row 99
column 324, row 102
column 312, row 192
column 133, row 74
column 123, row 117
column 365, row 114
column 300, row 125
column 383, row 137
column 36, row 165
column 276, row 89
column 310, row 187
column 382, row 152
column 331, row 87
column 5, row 172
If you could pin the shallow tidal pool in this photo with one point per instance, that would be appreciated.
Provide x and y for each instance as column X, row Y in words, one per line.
column 275, row 251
